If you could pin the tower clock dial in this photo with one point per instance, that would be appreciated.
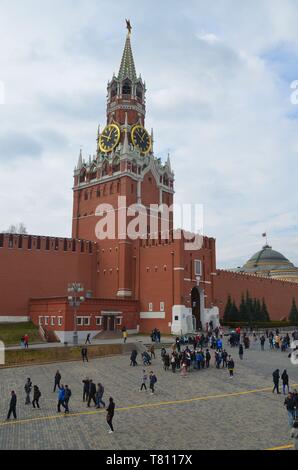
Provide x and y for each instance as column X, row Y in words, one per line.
column 109, row 139
column 141, row 139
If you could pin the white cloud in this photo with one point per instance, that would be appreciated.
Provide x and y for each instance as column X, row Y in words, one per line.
column 214, row 99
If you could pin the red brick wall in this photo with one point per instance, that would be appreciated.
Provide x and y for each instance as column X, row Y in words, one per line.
column 91, row 307
column 26, row 273
column 278, row 294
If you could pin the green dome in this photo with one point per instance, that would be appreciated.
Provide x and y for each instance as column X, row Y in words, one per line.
column 267, row 260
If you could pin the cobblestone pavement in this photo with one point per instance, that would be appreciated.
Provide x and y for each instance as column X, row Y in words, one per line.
column 233, row 421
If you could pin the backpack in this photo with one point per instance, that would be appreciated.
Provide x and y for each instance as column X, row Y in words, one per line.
column 154, row 379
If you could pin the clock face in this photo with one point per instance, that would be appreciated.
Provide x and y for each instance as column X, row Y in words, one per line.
column 109, row 138
column 141, row 139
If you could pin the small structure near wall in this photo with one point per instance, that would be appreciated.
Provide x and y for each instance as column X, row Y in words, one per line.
column 211, row 315
column 182, row 323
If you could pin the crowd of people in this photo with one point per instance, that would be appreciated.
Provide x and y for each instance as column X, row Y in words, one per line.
column 187, row 354
column 91, row 393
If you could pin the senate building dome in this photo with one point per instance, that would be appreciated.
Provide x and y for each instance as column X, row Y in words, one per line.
column 270, row 263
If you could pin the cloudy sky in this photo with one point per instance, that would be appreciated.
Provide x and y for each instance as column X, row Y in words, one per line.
column 218, row 76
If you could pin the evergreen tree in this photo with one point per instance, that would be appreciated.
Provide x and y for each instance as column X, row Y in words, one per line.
column 234, row 315
column 264, row 312
column 249, row 307
column 258, row 311
column 228, row 310
column 243, row 314
column 293, row 312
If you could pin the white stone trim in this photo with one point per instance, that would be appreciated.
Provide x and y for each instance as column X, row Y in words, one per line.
column 179, row 269
column 8, row 319
column 152, row 315
column 124, row 293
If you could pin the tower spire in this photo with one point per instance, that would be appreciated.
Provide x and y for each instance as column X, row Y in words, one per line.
column 127, row 67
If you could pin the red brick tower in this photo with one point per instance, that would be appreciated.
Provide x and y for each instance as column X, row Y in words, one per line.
column 124, row 166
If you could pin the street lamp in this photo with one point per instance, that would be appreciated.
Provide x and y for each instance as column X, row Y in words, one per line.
column 75, row 300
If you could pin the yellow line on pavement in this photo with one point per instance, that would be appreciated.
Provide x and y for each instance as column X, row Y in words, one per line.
column 287, row 446
column 141, row 406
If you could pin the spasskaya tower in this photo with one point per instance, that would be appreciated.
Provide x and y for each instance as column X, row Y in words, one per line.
column 124, row 165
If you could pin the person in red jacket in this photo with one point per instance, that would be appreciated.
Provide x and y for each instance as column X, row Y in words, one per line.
column 26, row 341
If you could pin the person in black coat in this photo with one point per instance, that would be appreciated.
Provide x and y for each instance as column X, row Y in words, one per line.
column 12, row 406
column 110, row 415
column 36, row 396
column 28, row 389
column 133, row 358
column 84, row 353
column 86, row 383
column 57, row 381
column 241, row 351
column 285, row 381
column 276, row 377
column 92, row 393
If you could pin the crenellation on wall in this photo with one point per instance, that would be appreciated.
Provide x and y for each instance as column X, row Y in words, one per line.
column 45, row 244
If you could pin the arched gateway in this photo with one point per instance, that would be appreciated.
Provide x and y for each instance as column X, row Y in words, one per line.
column 197, row 304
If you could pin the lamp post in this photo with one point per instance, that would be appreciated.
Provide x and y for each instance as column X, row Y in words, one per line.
column 75, row 300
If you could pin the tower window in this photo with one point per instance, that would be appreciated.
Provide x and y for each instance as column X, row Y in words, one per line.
column 127, row 88
column 140, row 91
column 114, row 90
column 116, row 165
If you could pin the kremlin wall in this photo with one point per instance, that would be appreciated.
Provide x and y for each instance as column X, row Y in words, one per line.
column 140, row 283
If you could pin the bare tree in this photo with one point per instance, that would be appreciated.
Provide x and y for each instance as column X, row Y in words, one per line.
column 19, row 229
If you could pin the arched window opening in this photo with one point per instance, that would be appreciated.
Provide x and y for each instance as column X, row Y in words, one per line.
column 126, row 88
column 105, row 169
column 83, row 176
column 134, row 167
column 140, row 91
column 47, row 243
column 93, row 174
column 114, row 89
column 116, row 165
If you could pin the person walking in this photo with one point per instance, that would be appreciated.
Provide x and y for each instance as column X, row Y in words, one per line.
column 61, row 398
column 262, row 340
column 66, row 399
column 208, row 358
column 166, row 362
column 173, row 363
column 99, row 396
column 92, row 393
column 86, row 383
column 84, row 353
column 28, row 389
column 152, row 380
column 125, row 335
column 110, row 415
column 12, row 406
column 57, row 381
column 36, row 397
column 224, row 356
column 88, row 340
column 290, row 405
column 285, row 381
column 241, row 352
column 231, row 367
column 152, row 351
column 26, row 341
column 276, row 378
column 294, row 434
column 133, row 358
column 144, row 381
